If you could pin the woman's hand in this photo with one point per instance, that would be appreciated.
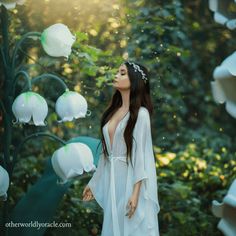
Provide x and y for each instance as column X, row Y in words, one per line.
column 87, row 194
column 132, row 205
column 133, row 200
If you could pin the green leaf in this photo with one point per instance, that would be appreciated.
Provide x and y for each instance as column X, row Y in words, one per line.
column 39, row 204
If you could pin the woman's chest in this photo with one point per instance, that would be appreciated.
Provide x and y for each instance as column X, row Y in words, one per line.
column 114, row 124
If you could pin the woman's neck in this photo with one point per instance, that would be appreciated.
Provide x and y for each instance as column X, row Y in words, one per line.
column 125, row 99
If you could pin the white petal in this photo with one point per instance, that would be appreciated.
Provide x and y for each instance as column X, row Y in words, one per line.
column 85, row 156
column 227, row 227
column 30, row 104
column 71, row 160
column 217, row 208
column 57, row 168
column 39, row 108
column 227, row 211
column 9, row 6
column 218, row 93
column 21, row 108
column 213, row 5
column 228, row 86
column 219, row 18
column 71, row 105
column 222, row 13
column 4, row 181
column 221, row 72
column 64, row 160
column 57, row 40
column 231, row 24
column 73, row 173
column 230, row 198
column 223, row 88
column 67, row 118
column 230, row 63
column 75, row 156
column 231, row 108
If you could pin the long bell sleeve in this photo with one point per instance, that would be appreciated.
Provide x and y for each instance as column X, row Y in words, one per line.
column 140, row 134
column 97, row 182
column 144, row 169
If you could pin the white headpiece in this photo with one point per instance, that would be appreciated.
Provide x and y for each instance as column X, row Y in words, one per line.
column 137, row 68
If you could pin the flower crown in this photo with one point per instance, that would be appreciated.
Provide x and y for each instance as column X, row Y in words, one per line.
column 137, row 68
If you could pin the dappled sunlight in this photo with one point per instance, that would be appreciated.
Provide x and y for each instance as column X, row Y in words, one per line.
column 193, row 137
column 164, row 159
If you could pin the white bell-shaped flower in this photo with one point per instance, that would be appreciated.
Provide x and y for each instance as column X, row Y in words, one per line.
column 223, row 13
column 4, row 183
column 30, row 104
column 72, row 160
column 227, row 211
column 71, row 105
column 57, row 40
column 11, row 4
column 224, row 86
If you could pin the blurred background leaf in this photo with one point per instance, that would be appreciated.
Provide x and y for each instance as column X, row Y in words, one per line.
column 193, row 137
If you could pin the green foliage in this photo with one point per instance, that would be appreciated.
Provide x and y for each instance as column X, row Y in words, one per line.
column 34, row 205
column 41, row 200
column 195, row 155
column 193, row 137
column 189, row 180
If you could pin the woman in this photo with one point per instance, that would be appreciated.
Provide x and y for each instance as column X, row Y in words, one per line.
column 124, row 183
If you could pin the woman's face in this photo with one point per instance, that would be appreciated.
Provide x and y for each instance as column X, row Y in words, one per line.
column 121, row 81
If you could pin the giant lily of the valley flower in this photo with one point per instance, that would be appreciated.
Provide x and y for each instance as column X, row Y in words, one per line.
column 227, row 212
column 4, row 183
column 223, row 88
column 30, row 104
column 57, row 40
column 222, row 12
column 10, row 4
column 72, row 160
column 71, row 105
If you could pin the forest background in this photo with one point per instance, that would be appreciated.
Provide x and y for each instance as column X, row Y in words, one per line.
column 193, row 137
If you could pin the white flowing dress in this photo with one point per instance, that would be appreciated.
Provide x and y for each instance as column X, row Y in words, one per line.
column 113, row 181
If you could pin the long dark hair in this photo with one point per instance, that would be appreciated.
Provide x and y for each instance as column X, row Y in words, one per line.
column 139, row 96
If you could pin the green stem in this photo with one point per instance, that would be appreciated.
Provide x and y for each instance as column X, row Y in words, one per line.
column 3, row 107
column 47, row 75
column 16, row 152
column 35, row 135
column 18, row 45
column 26, row 76
column 3, row 58
column 6, row 104
column 5, row 24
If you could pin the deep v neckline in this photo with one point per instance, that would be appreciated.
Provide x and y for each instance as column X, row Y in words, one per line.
column 114, row 135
